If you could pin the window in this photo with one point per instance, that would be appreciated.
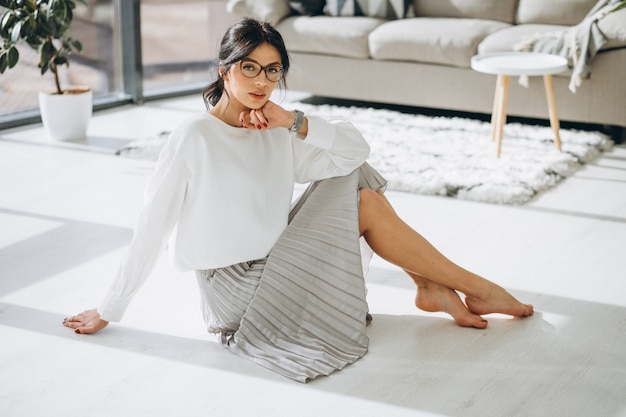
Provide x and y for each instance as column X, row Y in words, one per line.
column 97, row 67
column 178, row 43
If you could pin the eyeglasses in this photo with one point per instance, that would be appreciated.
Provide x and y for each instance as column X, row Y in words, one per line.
column 252, row 69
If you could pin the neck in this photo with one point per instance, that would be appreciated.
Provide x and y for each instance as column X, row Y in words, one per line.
column 227, row 111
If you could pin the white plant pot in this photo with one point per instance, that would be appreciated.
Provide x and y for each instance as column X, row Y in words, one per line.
column 66, row 116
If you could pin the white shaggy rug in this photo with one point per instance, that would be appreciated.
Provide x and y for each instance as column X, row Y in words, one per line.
column 452, row 156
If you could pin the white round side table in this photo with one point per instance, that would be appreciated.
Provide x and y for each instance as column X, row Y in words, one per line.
column 507, row 64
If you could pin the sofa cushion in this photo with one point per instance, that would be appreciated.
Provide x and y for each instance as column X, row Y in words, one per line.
column 556, row 12
column 343, row 36
column 613, row 26
column 270, row 11
column 504, row 40
column 385, row 9
column 503, row 10
column 438, row 41
column 308, row 7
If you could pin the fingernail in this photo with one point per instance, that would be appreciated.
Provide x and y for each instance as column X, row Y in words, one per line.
column 258, row 126
column 265, row 124
column 77, row 331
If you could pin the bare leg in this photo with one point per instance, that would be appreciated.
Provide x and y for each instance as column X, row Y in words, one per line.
column 396, row 242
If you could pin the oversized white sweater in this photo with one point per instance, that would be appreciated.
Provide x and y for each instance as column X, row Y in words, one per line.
column 222, row 195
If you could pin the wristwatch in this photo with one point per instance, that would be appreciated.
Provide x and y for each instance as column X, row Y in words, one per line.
column 298, row 120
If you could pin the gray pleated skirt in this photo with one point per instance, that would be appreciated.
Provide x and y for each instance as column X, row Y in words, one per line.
column 301, row 311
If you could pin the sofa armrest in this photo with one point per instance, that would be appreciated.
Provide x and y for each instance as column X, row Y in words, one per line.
column 271, row 11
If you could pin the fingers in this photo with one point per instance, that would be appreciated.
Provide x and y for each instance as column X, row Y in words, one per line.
column 83, row 327
column 72, row 323
column 69, row 321
column 259, row 119
column 86, row 322
column 254, row 119
column 267, row 117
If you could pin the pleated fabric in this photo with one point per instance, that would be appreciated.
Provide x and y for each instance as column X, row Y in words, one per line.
column 301, row 312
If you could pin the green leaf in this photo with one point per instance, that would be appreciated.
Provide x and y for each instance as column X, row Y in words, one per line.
column 77, row 45
column 7, row 22
column 48, row 52
column 34, row 41
column 48, row 25
column 27, row 29
column 27, row 4
column 15, row 32
column 13, row 56
column 62, row 12
column 60, row 60
column 3, row 63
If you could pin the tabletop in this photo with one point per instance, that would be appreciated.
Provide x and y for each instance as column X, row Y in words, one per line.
column 519, row 63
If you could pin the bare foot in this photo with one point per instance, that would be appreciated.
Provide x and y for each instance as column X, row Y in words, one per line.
column 498, row 300
column 434, row 297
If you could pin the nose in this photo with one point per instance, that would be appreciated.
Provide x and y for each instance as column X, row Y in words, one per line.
column 261, row 79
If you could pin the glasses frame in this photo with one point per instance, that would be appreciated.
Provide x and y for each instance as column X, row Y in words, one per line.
column 262, row 69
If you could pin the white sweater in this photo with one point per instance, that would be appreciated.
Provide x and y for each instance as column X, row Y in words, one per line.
column 222, row 194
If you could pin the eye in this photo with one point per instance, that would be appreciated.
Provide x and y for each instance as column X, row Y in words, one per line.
column 275, row 69
column 249, row 66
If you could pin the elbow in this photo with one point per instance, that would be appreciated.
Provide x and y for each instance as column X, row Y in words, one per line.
column 364, row 153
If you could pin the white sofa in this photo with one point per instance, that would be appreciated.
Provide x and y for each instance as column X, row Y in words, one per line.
column 423, row 59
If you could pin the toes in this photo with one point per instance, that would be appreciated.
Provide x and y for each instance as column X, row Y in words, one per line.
column 481, row 324
column 474, row 321
column 526, row 310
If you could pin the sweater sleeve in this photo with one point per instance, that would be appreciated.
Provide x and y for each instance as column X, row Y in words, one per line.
column 163, row 202
column 330, row 149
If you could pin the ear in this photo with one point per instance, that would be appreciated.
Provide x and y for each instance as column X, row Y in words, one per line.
column 223, row 73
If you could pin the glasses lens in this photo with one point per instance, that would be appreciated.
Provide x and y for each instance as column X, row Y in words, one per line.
column 251, row 69
column 274, row 72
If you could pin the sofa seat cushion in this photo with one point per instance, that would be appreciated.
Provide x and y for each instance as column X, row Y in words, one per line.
column 329, row 35
column 446, row 41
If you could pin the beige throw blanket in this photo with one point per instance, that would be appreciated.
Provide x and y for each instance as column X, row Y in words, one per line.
column 579, row 44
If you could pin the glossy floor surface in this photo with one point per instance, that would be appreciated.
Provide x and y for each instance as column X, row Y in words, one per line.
column 66, row 215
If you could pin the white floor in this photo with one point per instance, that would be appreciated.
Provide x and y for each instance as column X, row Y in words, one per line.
column 66, row 213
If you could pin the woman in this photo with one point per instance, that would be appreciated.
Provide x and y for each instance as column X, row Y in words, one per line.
column 282, row 285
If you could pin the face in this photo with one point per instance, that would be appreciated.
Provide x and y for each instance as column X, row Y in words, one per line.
column 252, row 93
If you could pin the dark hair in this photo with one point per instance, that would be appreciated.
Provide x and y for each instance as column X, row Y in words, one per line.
column 238, row 42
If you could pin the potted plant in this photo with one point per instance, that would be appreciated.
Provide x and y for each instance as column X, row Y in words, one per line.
column 45, row 26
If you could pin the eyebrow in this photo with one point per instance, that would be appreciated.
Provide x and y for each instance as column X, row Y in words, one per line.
column 257, row 62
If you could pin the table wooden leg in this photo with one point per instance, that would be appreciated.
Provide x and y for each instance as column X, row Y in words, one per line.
column 503, row 95
column 496, row 108
column 554, row 119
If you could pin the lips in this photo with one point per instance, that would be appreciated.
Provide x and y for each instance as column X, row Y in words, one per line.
column 257, row 95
